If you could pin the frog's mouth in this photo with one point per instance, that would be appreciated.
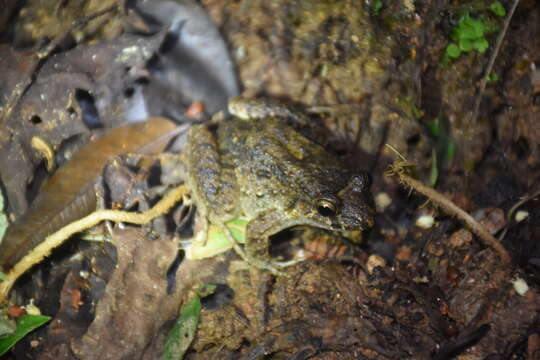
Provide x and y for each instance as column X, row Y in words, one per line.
column 363, row 221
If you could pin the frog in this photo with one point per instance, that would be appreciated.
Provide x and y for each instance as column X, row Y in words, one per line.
column 257, row 164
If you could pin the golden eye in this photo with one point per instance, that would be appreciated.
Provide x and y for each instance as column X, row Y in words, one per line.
column 326, row 207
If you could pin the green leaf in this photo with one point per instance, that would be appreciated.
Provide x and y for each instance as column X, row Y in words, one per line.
column 376, row 7
column 216, row 241
column 453, row 51
column 492, row 78
column 183, row 332
column 470, row 28
column 481, row 45
column 7, row 326
column 25, row 324
column 434, row 127
column 497, row 8
column 238, row 229
column 2, row 276
column 465, row 45
column 454, row 35
column 479, row 28
column 434, row 173
column 451, row 148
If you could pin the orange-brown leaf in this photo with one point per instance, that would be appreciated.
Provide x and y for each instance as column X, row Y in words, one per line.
column 69, row 194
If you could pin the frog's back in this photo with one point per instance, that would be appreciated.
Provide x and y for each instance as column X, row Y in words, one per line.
column 276, row 166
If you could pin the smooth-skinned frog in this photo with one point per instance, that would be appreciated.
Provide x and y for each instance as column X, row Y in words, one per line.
column 259, row 166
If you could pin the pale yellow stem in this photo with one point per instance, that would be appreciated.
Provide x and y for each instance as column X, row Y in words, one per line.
column 58, row 238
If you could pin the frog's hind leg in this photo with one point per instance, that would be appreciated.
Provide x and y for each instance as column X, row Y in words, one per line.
column 249, row 109
column 213, row 187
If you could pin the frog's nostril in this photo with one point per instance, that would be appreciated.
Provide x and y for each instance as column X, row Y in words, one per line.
column 360, row 182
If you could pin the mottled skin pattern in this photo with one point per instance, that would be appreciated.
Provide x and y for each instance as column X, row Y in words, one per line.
column 259, row 166
column 264, row 108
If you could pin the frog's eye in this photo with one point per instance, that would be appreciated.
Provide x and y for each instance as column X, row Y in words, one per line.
column 327, row 206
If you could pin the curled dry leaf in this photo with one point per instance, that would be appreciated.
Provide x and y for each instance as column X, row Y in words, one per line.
column 69, row 194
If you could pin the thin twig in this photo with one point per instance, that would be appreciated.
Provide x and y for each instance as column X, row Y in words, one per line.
column 513, row 209
column 491, row 62
column 45, row 248
column 455, row 210
column 452, row 209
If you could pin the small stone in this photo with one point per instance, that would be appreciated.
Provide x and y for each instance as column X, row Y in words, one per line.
column 492, row 218
column 425, row 221
column 521, row 215
column 460, row 238
column 520, row 286
column 403, row 253
column 382, row 201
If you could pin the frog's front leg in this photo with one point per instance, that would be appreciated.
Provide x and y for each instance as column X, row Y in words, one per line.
column 258, row 234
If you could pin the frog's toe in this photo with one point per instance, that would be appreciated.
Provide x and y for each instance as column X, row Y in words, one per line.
column 284, row 264
column 272, row 266
column 275, row 271
column 275, row 267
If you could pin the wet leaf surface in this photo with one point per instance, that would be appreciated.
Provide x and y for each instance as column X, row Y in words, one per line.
column 25, row 324
column 181, row 335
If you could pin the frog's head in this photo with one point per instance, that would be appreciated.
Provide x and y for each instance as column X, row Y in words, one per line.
column 351, row 208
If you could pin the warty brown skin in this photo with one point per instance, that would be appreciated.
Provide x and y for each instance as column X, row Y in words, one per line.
column 260, row 167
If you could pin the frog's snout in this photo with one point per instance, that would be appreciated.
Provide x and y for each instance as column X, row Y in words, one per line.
column 368, row 221
column 358, row 208
column 362, row 219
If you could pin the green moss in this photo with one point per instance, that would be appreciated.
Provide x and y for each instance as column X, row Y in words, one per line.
column 470, row 33
column 376, row 7
column 453, row 51
column 497, row 8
